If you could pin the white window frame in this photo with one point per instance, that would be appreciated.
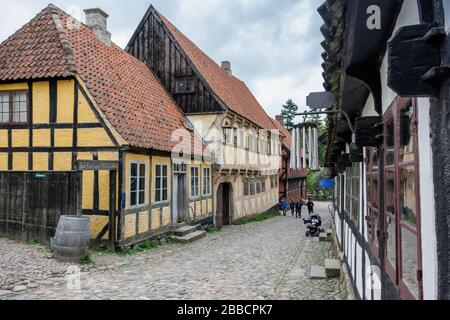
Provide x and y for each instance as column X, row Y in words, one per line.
column 192, row 185
column 206, row 178
column 139, row 190
column 161, row 189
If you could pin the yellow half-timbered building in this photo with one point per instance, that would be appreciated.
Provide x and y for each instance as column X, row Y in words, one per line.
column 90, row 127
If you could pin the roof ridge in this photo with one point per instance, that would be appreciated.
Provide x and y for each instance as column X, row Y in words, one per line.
column 64, row 40
column 220, row 82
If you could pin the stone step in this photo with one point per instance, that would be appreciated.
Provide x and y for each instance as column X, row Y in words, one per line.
column 318, row 272
column 332, row 268
column 330, row 232
column 184, row 231
column 191, row 237
column 323, row 237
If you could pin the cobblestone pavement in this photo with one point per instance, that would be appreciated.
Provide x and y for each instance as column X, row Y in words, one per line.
column 264, row 260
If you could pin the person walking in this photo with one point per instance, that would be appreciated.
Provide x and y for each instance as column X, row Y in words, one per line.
column 298, row 209
column 310, row 206
column 292, row 207
column 284, row 206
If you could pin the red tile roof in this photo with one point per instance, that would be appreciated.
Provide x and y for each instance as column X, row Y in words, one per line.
column 232, row 91
column 287, row 140
column 125, row 89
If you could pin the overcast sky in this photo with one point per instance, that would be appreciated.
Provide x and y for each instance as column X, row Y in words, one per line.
column 273, row 45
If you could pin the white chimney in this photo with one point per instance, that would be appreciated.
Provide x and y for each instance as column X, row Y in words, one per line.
column 97, row 20
column 226, row 65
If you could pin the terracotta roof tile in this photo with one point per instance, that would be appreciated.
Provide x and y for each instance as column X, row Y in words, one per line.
column 125, row 89
column 232, row 91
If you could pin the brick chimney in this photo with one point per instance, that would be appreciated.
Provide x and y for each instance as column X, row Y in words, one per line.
column 280, row 119
column 226, row 65
column 97, row 20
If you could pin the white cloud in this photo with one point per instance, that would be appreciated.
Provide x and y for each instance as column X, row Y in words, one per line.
column 274, row 46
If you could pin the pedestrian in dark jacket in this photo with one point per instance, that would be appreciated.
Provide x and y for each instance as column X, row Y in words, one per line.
column 298, row 209
column 310, row 206
column 292, row 207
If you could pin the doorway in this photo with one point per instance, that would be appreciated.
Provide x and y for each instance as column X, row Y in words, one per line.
column 224, row 198
column 179, row 199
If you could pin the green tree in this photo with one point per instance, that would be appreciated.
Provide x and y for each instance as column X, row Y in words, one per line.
column 288, row 117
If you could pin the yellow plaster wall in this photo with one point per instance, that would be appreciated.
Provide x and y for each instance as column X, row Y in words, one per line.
column 3, row 138
column 3, row 161
column 144, row 222
column 63, row 138
column 41, row 138
column 62, row 161
column 166, row 217
column 156, row 223
column 108, row 156
column 20, row 161
column 85, row 114
column 103, row 187
column 88, row 190
column 130, row 226
column 84, row 156
column 40, row 161
column 41, row 102
column 94, row 137
column 20, row 138
column 97, row 224
column 210, row 206
column 65, row 102
column 14, row 86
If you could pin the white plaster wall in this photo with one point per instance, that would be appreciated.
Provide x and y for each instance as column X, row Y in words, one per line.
column 359, row 271
column 427, row 203
column 368, row 279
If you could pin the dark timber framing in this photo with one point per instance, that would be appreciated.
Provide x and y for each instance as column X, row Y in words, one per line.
column 153, row 44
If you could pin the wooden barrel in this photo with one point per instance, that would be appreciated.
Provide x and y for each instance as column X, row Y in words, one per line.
column 72, row 238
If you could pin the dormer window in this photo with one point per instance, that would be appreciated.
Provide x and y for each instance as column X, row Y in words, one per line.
column 185, row 85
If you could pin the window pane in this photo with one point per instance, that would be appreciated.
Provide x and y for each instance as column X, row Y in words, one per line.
column 406, row 129
column 4, row 117
column 165, row 197
column 141, row 184
column 376, row 224
column 390, row 147
column 408, row 209
column 164, row 171
column 410, row 261
column 133, row 184
column 158, row 171
column 133, row 199
column 142, row 170
column 4, row 107
column 23, row 117
column 157, row 183
column 164, row 183
column 134, row 170
column 142, row 197
column 157, row 196
column 391, row 217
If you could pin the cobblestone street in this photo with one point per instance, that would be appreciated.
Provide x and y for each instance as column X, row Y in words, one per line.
column 264, row 260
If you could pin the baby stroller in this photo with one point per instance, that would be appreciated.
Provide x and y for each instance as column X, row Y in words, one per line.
column 313, row 225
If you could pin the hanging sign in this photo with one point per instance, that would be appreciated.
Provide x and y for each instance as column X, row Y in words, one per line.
column 326, row 183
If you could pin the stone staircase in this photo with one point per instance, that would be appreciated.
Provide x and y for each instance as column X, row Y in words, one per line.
column 188, row 234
